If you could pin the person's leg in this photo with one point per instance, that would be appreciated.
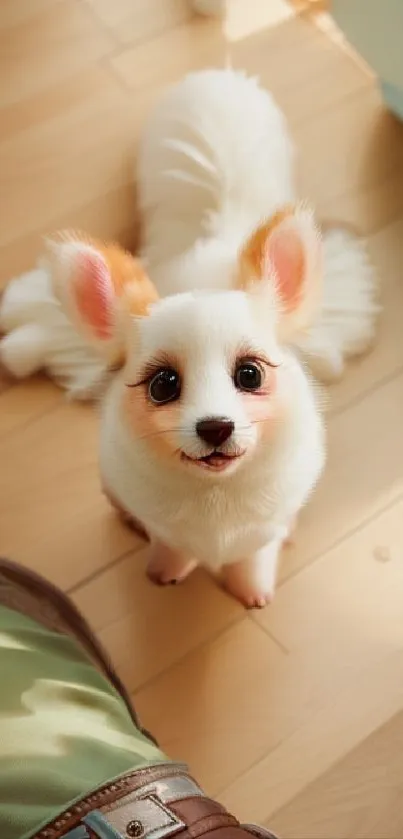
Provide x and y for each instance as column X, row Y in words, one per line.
column 75, row 761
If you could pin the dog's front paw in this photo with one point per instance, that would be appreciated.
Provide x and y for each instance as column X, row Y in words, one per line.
column 289, row 539
column 168, row 567
column 248, row 592
column 252, row 581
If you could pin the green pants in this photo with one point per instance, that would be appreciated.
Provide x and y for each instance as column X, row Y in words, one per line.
column 75, row 762
column 64, row 729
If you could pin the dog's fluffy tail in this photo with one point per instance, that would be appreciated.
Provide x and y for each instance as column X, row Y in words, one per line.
column 214, row 157
column 37, row 335
column 346, row 324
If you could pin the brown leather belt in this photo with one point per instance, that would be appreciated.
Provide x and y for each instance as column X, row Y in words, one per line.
column 158, row 802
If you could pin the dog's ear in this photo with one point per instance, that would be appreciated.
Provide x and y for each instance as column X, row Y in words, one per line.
column 99, row 287
column 285, row 254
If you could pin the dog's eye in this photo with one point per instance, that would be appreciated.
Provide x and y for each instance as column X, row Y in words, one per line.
column 248, row 376
column 165, row 386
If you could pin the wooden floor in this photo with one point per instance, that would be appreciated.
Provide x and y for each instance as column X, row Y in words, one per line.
column 293, row 716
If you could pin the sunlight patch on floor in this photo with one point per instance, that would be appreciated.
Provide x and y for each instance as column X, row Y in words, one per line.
column 246, row 18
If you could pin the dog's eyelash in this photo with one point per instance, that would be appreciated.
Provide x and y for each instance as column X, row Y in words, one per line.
column 151, row 369
column 257, row 359
column 267, row 363
column 145, row 379
column 154, row 366
column 248, row 352
column 137, row 384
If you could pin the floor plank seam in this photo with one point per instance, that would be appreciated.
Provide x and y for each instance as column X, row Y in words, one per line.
column 215, row 636
column 220, row 793
column 360, row 397
column 301, row 122
column 108, row 66
column 100, row 24
column 90, row 578
column 252, row 617
column 329, row 768
column 338, row 542
column 28, row 423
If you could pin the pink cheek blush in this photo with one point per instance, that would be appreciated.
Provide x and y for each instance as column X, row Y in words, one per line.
column 148, row 423
column 258, row 407
column 261, row 405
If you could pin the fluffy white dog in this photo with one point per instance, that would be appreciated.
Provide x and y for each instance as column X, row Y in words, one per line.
column 211, row 434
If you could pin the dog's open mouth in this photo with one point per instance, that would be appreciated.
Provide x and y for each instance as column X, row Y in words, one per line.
column 216, row 461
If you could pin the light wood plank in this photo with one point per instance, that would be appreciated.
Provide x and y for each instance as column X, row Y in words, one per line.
column 87, row 151
column 153, row 65
column 363, row 475
column 341, row 623
column 367, row 562
column 17, row 12
column 360, row 798
column 315, row 75
column 137, row 21
column 57, row 100
column 57, row 43
column 243, row 20
column 106, row 217
column 368, row 142
column 53, row 516
column 358, row 706
column 341, row 678
column 24, row 402
column 216, row 709
column 146, row 629
column 386, row 356
column 368, row 208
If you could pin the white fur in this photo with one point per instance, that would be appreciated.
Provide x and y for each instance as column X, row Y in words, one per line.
column 346, row 323
column 215, row 160
column 39, row 336
column 216, row 519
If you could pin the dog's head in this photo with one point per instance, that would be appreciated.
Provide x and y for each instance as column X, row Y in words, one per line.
column 206, row 376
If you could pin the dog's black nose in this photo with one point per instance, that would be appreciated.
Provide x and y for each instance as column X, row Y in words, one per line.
column 215, row 430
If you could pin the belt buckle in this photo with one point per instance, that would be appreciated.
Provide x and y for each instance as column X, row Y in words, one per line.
column 141, row 814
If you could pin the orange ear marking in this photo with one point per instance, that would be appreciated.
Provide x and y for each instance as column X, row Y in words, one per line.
column 253, row 255
column 140, row 294
column 99, row 286
column 284, row 257
column 130, row 282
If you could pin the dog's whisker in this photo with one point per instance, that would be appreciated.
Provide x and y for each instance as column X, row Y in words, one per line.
column 190, row 432
column 153, row 434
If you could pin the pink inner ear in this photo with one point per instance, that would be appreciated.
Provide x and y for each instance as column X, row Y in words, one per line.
column 286, row 255
column 93, row 292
